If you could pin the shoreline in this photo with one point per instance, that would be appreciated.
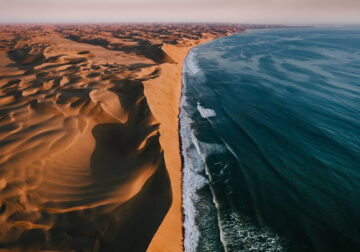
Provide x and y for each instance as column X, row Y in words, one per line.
column 170, row 235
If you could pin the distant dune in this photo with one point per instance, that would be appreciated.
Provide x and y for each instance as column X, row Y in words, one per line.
column 89, row 150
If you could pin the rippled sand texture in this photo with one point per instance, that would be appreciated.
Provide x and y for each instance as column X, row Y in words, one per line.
column 81, row 165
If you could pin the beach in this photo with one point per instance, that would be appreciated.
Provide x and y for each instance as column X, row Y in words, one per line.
column 89, row 140
column 167, row 89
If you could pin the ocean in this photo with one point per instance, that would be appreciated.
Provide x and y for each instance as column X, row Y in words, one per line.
column 270, row 133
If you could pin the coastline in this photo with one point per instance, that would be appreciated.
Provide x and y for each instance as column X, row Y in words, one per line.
column 230, row 184
column 163, row 95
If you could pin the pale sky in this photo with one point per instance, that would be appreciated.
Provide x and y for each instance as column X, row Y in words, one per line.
column 237, row 11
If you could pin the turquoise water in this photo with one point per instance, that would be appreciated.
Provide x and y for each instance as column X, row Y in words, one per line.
column 270, row 129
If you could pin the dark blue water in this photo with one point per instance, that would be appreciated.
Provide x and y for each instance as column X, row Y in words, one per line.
column 270, row 128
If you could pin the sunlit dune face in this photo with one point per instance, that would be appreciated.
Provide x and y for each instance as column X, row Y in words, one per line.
column 79, row 145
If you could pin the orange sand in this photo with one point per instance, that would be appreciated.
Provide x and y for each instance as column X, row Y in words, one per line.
column 89, row 147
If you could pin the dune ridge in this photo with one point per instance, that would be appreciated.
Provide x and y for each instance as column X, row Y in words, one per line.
column 89, row 148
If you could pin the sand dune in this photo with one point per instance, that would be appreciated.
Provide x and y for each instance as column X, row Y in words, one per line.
column 88, row 136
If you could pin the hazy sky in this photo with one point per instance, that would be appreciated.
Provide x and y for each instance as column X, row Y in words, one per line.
column 242, row 11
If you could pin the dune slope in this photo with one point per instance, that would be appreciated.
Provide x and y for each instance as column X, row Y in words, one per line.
column 81, row 163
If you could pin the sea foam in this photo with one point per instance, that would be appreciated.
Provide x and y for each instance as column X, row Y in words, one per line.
column 205, row 112
column 192, row 180
column 192, row 64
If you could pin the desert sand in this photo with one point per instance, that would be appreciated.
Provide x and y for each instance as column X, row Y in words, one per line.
column 89, row 146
